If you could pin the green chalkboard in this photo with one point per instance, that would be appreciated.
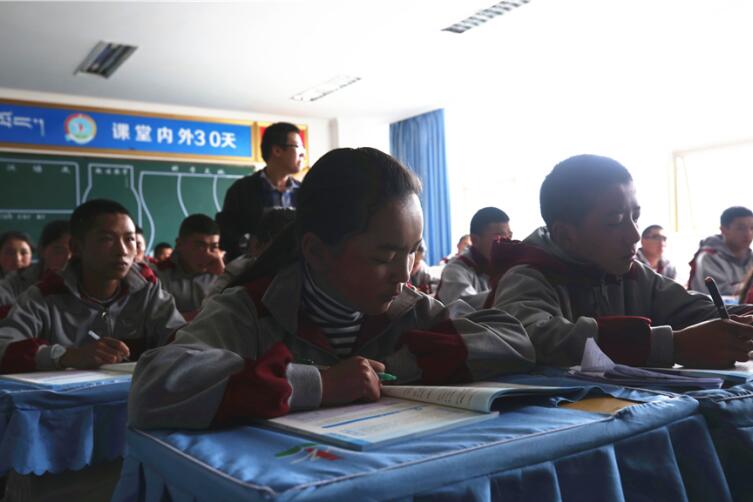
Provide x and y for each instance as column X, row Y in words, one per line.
column 35, row 189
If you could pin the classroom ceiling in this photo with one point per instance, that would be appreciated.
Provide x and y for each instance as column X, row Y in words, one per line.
column 255, row 55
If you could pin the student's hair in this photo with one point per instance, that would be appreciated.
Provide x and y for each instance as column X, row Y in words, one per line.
column 198, row 224
column 731, row 213
column 16, row 235
column 273, row 222
column 337, row 199
column 647, row 231
column 276, row 134
column 139, row 230
column 162, row 245
column 53, row 231
column 462, row 238
column 84, row 215
column 568, row 192
column 486, row 216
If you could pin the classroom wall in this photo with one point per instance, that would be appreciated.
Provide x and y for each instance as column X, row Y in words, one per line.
column 357, row 132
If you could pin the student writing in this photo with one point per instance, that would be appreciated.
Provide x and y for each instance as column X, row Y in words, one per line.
column 577, row 278
column 101, row 290
column 330, row 291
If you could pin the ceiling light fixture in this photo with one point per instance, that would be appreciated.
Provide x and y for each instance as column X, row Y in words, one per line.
column 485, row 15
column 328, row 87
column 105, row 58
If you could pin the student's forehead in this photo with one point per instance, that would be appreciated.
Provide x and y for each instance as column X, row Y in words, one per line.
column 398, row 224
column 197, row 237
column 616, row 197
column 113, row 222
column 743, row 221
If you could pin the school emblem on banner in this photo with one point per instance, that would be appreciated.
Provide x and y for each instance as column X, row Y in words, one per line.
column 80, row 128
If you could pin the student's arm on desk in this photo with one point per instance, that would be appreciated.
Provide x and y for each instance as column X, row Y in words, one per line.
column 216, row 371
column 700, row 338
column 526, row 294
column 458, row 343
column 21, row 349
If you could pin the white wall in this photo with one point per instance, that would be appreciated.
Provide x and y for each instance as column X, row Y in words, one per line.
column 356, row 132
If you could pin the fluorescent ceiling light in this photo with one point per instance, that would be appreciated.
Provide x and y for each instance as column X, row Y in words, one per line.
column 485, row 15
column 328, row 87
column 105, row 58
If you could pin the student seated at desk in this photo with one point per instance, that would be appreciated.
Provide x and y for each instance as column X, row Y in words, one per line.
column 162, row 252
column 98, row 292
column 15, row 252
column 195, row 263
column 726, row 257
column 577, row 278
column 466, row 276
column 322, row 311
column 54, row 253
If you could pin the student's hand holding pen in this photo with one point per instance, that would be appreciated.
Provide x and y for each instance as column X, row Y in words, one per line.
column 93, row 355
column 354, row 379
column 714, row 344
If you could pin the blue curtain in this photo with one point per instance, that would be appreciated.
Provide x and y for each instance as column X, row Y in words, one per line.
column 418, row 142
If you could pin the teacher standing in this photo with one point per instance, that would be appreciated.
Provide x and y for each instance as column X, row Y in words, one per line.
column 274, row 186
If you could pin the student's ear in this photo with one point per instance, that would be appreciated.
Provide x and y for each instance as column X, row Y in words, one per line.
column 316, row 253
column 564, row 235
column 475, row 238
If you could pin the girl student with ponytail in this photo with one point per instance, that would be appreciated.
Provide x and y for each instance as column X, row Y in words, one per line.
column 324, row 309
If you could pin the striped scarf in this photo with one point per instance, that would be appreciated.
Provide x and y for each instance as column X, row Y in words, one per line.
column 339, row 323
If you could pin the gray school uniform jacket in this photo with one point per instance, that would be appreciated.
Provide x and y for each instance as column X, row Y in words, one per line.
column 52, row 312
column 251, row 353
column 18, row 281
column 232, row 270
column 664, row 266
column 188, row 290
column 464, row 278
column 714, row 259
column 562, row 302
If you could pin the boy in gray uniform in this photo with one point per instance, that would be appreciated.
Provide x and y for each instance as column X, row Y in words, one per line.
column 101, row 292
column 195, row 263
column 727, row 256
column 577, row 278
column 466, row 277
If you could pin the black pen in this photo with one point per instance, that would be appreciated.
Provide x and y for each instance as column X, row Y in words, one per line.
column 723, row 314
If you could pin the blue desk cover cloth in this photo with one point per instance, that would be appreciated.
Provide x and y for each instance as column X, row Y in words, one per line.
column 65, row 428
column 657, row 450
column 729, row 415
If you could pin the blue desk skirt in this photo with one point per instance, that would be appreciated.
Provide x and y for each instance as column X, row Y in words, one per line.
column 657, row 450
column 68, row 428
column 729, row 414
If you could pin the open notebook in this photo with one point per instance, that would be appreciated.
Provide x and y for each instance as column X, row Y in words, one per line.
column 405, row 411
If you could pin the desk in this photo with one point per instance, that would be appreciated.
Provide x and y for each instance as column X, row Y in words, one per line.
column 729, row 414
column 69, row 428
column 657, row 450
column 729, row 418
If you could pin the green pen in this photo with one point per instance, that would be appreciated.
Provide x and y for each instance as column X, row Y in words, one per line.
column 386, row 377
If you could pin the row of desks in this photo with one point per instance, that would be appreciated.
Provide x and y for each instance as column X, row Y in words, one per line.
column 697, row 446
